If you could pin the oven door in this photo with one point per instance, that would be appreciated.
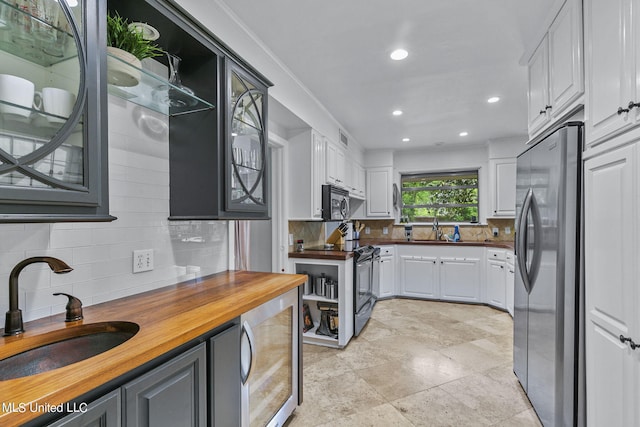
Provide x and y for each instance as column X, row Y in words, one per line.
column 363, row 270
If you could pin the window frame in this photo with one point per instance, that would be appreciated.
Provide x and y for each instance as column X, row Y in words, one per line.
column 449, row 174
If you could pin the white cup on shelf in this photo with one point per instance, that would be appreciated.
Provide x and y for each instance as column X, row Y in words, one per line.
column 55, row 102
column 17, row 91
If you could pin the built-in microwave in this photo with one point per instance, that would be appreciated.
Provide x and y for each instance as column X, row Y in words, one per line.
column 335, row 203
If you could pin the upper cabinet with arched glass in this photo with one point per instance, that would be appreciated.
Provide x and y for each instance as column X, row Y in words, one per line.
column 53, row 162
column 246, row 143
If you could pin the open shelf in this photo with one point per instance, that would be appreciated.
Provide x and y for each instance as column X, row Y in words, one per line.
column 31, row 123
column 33, row 39
column 311, row 333
column 157, row 94
column 314, row 297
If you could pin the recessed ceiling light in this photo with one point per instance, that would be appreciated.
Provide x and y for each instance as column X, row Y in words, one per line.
column 464, row 133
column 397, row 112
column 399, row 54
column 406, row 139
column 493, row 99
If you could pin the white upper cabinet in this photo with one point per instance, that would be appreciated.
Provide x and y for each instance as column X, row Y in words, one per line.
column 379, row 192
column 611, row 29
column 336, row 165
column 503, row 187
column 307, row 168
column 556, row 80
column 539, row 107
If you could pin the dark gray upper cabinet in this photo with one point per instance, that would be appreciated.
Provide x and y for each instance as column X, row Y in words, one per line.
column 208, row 180
column 53, row 129
column 246, row 144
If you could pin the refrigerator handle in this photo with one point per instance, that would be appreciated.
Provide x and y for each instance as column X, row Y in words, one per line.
column 521, row 246
column 537, row 242
column 246, row 336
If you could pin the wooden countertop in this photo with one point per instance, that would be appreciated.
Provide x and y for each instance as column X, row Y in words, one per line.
column 343, row 252
column 168, row 317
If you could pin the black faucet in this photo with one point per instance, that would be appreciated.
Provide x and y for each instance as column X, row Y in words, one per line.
column 13, row 321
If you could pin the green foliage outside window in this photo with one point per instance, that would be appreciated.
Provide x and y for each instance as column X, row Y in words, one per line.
column 451, row 197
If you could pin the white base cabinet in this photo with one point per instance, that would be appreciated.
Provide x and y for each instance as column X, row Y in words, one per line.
column 459, row 279
column 387, row 284
column 612, row 295
column 452, row 273
column 419, row 276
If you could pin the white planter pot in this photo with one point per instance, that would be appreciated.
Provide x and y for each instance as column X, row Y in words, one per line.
column 123, row 71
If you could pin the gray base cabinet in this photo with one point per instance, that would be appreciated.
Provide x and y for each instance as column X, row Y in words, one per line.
column 225, row 389
column 174, row 394
column 199, row 387
column 104, row 412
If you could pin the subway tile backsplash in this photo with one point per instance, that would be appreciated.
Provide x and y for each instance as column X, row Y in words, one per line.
column 101, row 253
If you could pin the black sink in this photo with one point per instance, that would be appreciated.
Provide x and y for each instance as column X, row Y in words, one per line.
column 63, row 347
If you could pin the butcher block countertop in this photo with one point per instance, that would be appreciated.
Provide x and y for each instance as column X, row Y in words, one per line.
column 344, row 252
column 168, row 317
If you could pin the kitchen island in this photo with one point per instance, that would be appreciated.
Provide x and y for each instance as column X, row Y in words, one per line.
column 168, row 318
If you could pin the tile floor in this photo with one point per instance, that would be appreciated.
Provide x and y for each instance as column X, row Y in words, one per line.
column 417, row 363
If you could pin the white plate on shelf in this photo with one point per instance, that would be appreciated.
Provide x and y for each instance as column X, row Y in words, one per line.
column 148, row 32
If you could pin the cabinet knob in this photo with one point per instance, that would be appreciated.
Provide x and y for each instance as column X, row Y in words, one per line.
column 622, row 110
column 502, row 266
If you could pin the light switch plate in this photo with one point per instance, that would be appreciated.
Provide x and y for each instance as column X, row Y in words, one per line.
column 142, row 260
column 385, row 230
column 507, row 230
column 367, row 230
column 290, row 239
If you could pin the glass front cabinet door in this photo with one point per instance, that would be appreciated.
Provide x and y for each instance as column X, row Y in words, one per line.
column 53, row 161
column 246, row 144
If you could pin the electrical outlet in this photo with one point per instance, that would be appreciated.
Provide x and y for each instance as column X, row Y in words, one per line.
column 385, row 230
column 142, row 260
column 290, row 239
column 367, row 230
column 495, row 231
column 507, row 230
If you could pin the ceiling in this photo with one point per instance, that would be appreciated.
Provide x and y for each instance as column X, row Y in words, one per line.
column 461, row 52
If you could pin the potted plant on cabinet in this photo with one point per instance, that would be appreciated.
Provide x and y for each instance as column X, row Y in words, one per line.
column 130, row 47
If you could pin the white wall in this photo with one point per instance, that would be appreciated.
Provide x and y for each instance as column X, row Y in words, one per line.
column 101, row 253
column 437, row 160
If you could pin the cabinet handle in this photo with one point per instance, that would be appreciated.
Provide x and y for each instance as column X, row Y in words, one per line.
column 245, row 372
column 632, row 105
column 632, row 344
column 543, row 112
column 622, row 110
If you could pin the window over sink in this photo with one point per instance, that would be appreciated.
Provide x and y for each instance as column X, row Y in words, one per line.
column 450, row 196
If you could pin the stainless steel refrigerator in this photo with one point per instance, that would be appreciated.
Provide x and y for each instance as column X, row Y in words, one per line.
column 547, row 341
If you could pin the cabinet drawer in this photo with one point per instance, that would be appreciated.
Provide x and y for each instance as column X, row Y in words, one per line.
column 387, row 250
column 509, row 257
column 496, row 254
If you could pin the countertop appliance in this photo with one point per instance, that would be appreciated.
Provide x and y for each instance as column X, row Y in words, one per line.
column 335, row 203
column 548, row 318
column 366, row 275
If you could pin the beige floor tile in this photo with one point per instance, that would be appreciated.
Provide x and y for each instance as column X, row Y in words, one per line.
column 435, row 407
column 394, row 380
column 475, row 357
column 493, row 400
column 361, row 354
column 526, row 418
column 384, row 415
column 422, row 363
